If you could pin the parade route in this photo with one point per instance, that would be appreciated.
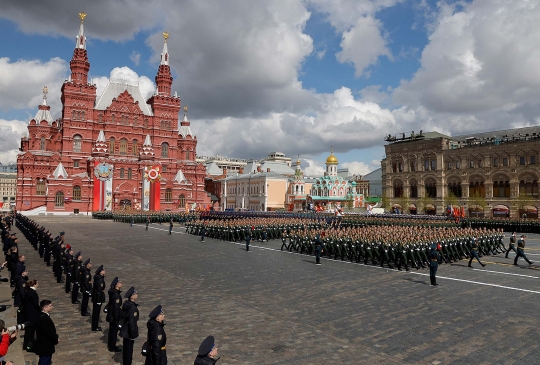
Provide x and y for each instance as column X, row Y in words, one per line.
column 269, row 306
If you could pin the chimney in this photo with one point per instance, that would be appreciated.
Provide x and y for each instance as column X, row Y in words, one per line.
column 241, row 170
column 259, row 169
column 268, row 169
column 225, row 171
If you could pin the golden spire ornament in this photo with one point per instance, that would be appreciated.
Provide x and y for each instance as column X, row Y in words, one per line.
column 165, row 36
column 185, row 109
column 82, row 15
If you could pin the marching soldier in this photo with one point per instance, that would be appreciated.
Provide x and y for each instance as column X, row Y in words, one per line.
column 114, row 314
column 433, row 264
column 318, row 248
column 147, row 221
column 474, row 252
column 98, row 297
column 129, row 330
column 511, row 245
column 170, row 226
column 521, row 251
column 157, row 339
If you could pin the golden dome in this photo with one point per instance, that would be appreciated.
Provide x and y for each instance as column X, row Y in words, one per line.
column 332, row 160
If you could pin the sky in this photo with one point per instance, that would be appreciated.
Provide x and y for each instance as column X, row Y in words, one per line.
column 295, row 76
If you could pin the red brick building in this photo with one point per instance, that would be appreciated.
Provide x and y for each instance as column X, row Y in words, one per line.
column 111, row 151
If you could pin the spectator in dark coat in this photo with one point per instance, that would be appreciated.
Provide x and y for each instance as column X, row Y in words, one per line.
column 46, row 337
column 31, row 314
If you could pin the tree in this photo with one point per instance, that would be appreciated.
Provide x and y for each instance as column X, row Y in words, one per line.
column 451, row 199
column 523, row 200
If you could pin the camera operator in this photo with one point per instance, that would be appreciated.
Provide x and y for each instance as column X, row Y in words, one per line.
column 7, row 339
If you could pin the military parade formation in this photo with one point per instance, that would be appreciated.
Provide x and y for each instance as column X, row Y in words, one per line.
column 76, row 273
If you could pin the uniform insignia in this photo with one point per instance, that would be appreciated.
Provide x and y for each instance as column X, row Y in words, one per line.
column 135, row 314
column 117, row 300
column 87, row 276
column 159, row 337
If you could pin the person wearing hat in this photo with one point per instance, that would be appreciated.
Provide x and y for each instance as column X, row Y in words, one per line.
column 86, row 287
column 170, row 226
column 98, row 297
column 157, row 339
column 76, row 277
column 434, row 258
column 208, row 352
column 68, row 267
column 521, row 251
column 474, row 252
column 129, row 330
column 114, row 314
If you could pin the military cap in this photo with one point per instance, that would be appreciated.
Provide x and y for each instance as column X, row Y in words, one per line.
column 99, row 269
column 130, row 292
column 62, row 233
column 86, row 262
column 206, row 346
column 156, row 312
column 77, row 254
column 68, row 246
column 14, row 234
column 114, row 282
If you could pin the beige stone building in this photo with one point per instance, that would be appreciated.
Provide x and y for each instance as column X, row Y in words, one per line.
column 492, row 174
column 8, row 188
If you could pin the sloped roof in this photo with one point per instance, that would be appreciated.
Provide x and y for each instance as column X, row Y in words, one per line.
column 113, row 89
column 213, row 169
column 278, row 167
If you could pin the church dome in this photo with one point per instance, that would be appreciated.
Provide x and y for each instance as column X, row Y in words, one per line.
column 332, row 160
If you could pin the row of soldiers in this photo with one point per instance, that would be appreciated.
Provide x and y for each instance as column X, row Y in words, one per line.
column 122, row 317
column 132, row 216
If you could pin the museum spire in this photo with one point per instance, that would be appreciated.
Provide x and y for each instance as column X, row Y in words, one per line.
column 163, row 78
column 79, row 64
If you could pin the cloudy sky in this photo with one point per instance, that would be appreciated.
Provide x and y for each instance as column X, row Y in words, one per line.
column 296, row 76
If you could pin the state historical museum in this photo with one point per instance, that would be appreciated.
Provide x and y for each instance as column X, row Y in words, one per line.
column 112, row 151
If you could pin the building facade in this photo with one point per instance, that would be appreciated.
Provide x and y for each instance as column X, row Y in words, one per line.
column 490, row 174
column 8, row 188
column 110, row 151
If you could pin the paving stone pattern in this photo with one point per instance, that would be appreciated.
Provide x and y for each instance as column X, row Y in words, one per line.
column 270, row 307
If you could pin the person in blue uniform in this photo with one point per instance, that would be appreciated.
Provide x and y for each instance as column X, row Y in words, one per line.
column 98, row 297
column 208, row 352
column 157, row 339
column 86, row 287
column 474, row 253
column 318, row 248
column 521, row 251
column 433, row 264
column 129, row 330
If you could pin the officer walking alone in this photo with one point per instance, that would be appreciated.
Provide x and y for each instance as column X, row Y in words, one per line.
column 521, row 251
column 170, row 226
column 433, row 264
column 318, row 248
column 511, row 246
column 147, row 221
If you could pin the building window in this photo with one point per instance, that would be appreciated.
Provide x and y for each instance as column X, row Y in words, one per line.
column 400, row 167
column 505, row 161
column 40, row 187
column 76, row 192
column 123, row 146
column 414, row 191
column 182, row 200
column 125, row 119
column 122, row 173
column 454, row 188
column 168, row 195
column 522, row 160
column 188, row 155
column 135, row 148
column 111, row 145
column 165, row 150
column 413, row 166
column 479, row 163
column 130, row 173
column 471, row 164
column 449, row 165
column 112, row 118
column 458, row 165
column 426, row 165
column 145, row 122
column 100, row 117
column 398, row 189
column 59, row 199
column 495, row 162
column 533, row 160
column 164, row 169
column 76, row 163
column 394, row 168
column 42, row 143
column 77, row 143
column 135, row 121
column 431, row 190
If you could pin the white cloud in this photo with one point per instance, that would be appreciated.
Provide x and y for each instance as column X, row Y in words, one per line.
column 359, row 168
column 22, row 82
column 146, row 85
column 11, row 132
column 313, row 169
column 135, row 57
column 363, row 44
column 480, row 70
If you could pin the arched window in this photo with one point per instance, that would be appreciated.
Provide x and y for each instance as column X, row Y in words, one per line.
column 77, row 143
column 130, row 173
column 83, row 115
column 168, row 195
column 165, row 150
column 414, row 190
column 431, row 189
column 145, row 122
column 123, row 146
column 100, row 117
column 182, row 200
column 76, row 192
column 454, row 188
column 111, row 145
column 59, row 199
column 74, row 115
column 135, row 121
column 40, row 187
column 188, row 155
column 112, row 118
column 135, row 147
column 122, row 173
column 42, row 144
column 398, row 189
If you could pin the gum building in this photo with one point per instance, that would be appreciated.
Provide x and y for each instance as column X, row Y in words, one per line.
column 109, row 151
column 487, row 174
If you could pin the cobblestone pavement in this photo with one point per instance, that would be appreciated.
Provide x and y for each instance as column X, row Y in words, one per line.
column 272, row 307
